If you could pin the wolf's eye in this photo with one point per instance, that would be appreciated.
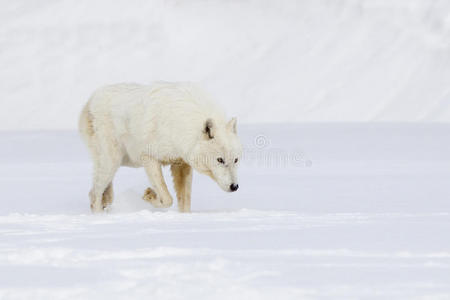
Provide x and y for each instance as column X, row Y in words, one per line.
column 220, row 159
column 235, row 160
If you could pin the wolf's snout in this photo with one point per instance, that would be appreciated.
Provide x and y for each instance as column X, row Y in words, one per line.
column 234, row 187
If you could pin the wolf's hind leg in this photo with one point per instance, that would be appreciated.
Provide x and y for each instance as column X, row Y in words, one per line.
column 108, row 196
column 107, row 158
column 101, row 193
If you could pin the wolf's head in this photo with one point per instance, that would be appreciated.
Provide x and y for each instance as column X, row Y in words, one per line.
column 218, row 152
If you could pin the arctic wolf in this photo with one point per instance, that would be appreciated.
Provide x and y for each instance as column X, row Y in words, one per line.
column 149, row 126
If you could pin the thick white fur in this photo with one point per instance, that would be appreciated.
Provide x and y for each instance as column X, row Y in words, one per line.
column 153, row 125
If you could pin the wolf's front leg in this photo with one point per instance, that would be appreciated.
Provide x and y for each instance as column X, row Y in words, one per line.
column 182, row 179
column 161, row 196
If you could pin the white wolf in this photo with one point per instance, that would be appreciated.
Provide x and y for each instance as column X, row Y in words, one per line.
column 153, row 125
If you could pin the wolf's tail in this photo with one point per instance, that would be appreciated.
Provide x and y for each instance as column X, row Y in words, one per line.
column 85, row 124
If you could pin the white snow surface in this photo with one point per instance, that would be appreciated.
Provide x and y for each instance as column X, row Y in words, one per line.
column 324, row 211
column 264, row 60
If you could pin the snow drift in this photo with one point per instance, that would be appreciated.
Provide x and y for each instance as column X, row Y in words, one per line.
column 311, row 60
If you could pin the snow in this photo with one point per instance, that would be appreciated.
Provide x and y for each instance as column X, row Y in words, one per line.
column 335, row 210
column 324, row 211
column 319, row 60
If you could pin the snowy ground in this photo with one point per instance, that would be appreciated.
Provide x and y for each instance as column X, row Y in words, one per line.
column 334, row 211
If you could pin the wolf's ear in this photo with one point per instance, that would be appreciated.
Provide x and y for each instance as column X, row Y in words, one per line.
column 208, row 129
column 231, row 125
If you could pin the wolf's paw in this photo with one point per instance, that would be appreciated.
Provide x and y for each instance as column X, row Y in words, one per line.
column 149, row 195
column 160, row 202
column 96, row 208
column 155, row 200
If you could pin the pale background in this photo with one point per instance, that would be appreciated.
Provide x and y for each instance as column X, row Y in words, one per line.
column 265, row 61
column 339, row 197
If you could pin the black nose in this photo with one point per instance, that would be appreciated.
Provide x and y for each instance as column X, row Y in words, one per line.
column 234, row 187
